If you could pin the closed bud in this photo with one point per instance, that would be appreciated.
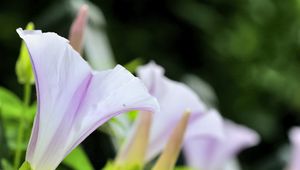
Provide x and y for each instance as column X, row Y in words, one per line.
column 23, row 66
column 76, row 35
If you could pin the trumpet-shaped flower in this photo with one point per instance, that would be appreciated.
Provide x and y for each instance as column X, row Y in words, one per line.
column 175, row 99
column 73, row 100
column 212, row 154
column 294, row 136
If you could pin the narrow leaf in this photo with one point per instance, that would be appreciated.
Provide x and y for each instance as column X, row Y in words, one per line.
column 78, row 160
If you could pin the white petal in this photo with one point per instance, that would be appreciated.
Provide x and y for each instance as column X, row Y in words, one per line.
column 213, row 154
column 72, row 100
column 174, row 98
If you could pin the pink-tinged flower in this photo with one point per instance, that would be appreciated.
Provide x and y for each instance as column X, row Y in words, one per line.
column 74, row 100
column 175, row 99
column 212, row 154
column 294, row 136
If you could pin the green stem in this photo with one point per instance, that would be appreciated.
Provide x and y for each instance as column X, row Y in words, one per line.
column 26, row 102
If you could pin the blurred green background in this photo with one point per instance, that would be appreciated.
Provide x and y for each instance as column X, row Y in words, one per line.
column 248, row 51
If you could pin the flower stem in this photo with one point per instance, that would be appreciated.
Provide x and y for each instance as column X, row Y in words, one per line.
column 26, row 102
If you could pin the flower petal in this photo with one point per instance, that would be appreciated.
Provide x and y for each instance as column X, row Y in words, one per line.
column 72, row 99
column 76, row 35
column 54, row 63
column 242, row 137
column 209, row 125
column 120, row 92
column 213, row 154
column 174, row 98
column 204, row 131
column 294, row 136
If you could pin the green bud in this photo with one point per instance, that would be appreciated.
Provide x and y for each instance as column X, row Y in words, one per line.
column 23, row 65
column 25, row 166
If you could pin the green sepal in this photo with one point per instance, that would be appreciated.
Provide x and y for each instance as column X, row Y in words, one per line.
column 25, row 166
column 125, row 166
column 23, row 66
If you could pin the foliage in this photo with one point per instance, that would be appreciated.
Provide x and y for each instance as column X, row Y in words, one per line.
column 78, row 160
column 183, row 168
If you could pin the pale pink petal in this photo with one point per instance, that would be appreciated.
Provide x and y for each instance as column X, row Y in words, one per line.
column 213, row 154
column 241, row 138
column 76, row 35
column 174, row 98
column 60, row 73
column 207, row 130
column 199, row 153
column 208, row 125
column 294, row 136
column 72, row 99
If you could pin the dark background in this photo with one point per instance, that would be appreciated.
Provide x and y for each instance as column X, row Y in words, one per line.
column 248, row 51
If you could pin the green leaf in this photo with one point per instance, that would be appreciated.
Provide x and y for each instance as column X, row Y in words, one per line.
column 119, row 126
column 23, row 66
column 133, row 65
column 132, row 115
column 113, row 166
column 183, row 168
column 78, row 160
column 12, row 107
column 30, row 112
column 25, row 166
column 11, row 111
column 6, row 165
column 10, row 104
column 8, row 96
column 130, row 118
column 3, row 141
